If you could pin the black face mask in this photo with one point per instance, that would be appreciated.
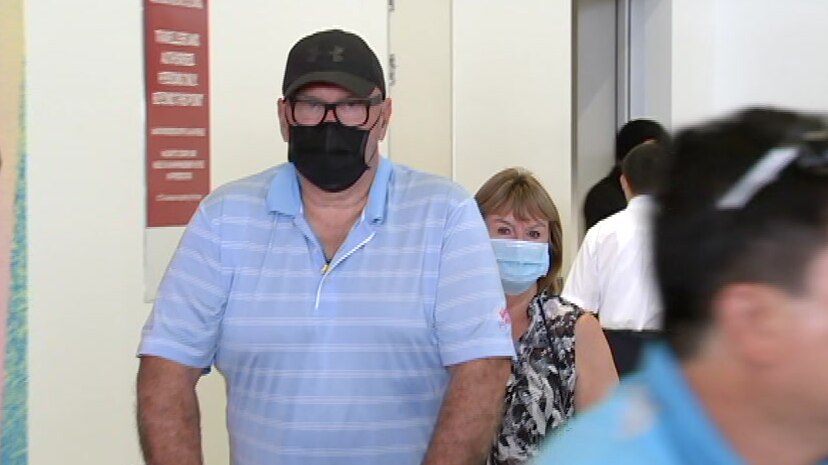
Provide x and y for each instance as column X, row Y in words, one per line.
column 329, row 155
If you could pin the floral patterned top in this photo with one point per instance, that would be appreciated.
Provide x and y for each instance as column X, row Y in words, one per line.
column 540, row 394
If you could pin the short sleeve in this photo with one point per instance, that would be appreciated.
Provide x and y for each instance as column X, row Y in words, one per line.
column 186, row 318
column 470, row 310
column 582, row 285
column 562, row 317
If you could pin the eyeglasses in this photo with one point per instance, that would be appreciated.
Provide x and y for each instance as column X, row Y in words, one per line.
column 352, row 112
column 810, row 156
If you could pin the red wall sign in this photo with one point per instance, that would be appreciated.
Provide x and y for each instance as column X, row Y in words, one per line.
column 178, row 111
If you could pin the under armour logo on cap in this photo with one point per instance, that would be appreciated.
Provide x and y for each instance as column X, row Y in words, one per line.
column 336, row 53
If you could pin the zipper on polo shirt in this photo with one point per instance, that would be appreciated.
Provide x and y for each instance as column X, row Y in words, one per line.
column 328, row 267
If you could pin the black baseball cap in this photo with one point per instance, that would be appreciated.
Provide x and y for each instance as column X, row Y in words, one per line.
column 333, row 56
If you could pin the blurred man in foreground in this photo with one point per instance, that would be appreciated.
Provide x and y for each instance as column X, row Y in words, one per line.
column 741, row 246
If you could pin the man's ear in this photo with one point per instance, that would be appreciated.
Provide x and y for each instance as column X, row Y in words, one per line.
column 625, row 186
column 284, row 126
column 753, row 320
column 385, row 118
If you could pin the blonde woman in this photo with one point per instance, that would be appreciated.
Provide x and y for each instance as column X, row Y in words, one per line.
column 563, row 362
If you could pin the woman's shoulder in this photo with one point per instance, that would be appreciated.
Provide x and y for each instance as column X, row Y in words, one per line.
column 555, row 306
column 561, row 314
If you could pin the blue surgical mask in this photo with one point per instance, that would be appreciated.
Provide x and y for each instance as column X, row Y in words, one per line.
column 521, row 263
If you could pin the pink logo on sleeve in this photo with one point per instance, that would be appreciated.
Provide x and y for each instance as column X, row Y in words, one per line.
column 505, row 317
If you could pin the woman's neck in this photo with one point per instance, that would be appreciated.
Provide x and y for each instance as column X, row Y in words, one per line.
column 522, row 299
column 518, row 306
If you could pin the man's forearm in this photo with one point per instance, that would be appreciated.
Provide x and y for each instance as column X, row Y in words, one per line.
column 168, row 415
column 471, row 413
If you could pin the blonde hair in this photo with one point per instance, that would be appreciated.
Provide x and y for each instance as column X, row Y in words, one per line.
column 517, row 191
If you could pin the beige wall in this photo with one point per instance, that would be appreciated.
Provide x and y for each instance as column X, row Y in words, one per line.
column 85, row 187
column 420, row 39
column 512, row 79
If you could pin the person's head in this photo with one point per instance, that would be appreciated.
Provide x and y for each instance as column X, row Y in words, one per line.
column 748, row 270
column 635, row 133
column 642, row 170
column 516, row 207
column 334, row 109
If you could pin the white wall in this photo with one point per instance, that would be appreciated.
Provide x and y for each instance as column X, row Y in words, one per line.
column 651, row 65
column 771, row 53
column 512, row 80
column 723, row 55
column 694, row 72
column 85, row 131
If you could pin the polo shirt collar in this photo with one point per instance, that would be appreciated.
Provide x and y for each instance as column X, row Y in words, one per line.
column 690, row 429
column 377, row 206
column 285, row 195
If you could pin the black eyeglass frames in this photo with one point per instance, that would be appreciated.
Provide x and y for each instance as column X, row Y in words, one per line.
column 351, row 112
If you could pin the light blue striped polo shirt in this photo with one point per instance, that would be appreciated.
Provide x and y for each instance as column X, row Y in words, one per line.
column 337, row 364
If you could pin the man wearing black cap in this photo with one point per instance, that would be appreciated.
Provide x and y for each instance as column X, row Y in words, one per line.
column 353, row 305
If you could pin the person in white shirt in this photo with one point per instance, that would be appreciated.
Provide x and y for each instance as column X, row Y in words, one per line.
column 613, row 272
